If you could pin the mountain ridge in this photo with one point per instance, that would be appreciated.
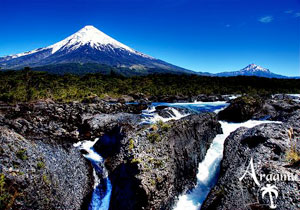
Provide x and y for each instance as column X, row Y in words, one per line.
column 88, row 45
column 99, row 52
column 251, row 70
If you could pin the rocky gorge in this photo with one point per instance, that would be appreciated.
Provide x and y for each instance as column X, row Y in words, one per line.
column 149, row 165
column 273, row 148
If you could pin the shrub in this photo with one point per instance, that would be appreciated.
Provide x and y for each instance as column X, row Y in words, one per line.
column 5, row 196
column 131, row 144
column 292, row 155
column 165, row 127
column 153, row 182
column 154, row 127
column 21, row 154
column 136, row 160
column 40, row 165
column 46, row 179
column 158, row 163
column 154, row 137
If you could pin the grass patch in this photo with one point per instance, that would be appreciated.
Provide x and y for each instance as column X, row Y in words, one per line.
column 21, row 154
column 5, row 196
column 8, row 194
column 131, row 144
column 46, row 179
column 163, row 126
column 154, row 137
column 136, row 160
column 40, row 165
column 292, row 155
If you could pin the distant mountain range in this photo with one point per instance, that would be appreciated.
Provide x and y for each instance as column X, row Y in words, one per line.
column 89, row 50
column 251, row 70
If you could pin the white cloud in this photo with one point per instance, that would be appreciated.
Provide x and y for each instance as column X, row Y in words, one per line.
column 293, row 13
column 266, row 19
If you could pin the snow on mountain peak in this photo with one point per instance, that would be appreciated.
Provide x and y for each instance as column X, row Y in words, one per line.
column 254, row 68
column 88, row 35
column 91, row 36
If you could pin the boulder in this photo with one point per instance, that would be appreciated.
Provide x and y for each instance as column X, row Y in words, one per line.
column 241, row 109
column 38, row 175
column 268, row 145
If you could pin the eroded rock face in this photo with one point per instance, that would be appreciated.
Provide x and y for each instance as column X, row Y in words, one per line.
column 268, row 145
column 277, row 108
column 280, row 110
column 39, row 175
column 41, row 167
column 241, row 109
column 153, row 164
column 148, row 165
column 57, row 122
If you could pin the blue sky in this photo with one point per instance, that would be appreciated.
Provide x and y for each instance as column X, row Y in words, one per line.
column 201, row 35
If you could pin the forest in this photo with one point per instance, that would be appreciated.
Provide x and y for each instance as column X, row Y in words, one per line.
column 27, row 85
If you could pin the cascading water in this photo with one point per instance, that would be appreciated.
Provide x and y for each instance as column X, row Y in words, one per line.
column 151, row 116
column 102, row 185
column 208, row 169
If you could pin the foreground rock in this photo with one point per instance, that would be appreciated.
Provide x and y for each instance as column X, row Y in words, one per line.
column 278, row 108
column 270, row 147
column 150, row 166
column 241, row 109
column 40, row 168
column 55, row 122
column 38, row 175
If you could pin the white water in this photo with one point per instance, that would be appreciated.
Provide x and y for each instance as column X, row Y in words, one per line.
column 150, row 116
column 297, row 97
column 102, row 187
column 88, row 147
column 208, row 169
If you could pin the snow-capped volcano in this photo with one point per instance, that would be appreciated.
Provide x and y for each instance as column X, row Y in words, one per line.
column 251, row 70
column 88, row 45
column 254, row 68
column 91, row 36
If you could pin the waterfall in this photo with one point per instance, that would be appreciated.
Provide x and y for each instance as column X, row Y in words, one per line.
column 208, row 169
column 102, row 185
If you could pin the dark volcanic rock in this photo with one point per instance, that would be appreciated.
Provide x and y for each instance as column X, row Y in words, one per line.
column 99, row 124
column 148, row 165
column 268, row 144
column 57, row 122
column 151, row 166
column 241, row 109
column 42, row 168
column 280, row 110
column 210, row 98
column 42, row 176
